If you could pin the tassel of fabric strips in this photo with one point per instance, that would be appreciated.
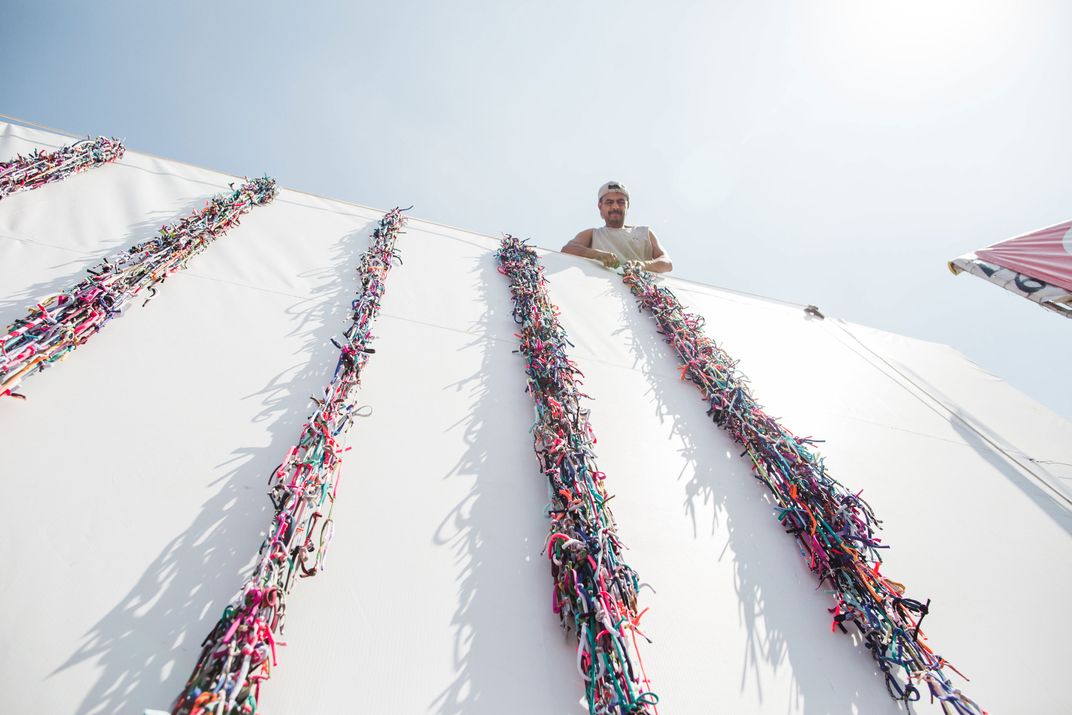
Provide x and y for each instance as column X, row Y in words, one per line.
column 834, row 528
column 239, row 652
column 60, row 323
column 24, row 173
column 595, row 591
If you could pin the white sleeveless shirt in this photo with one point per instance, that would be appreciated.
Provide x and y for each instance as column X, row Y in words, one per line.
column 629, row 244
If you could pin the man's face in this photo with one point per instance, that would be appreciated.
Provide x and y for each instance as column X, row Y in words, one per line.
column 613, row 207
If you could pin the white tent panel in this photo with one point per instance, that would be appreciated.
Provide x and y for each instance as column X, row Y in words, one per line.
column 137, row 472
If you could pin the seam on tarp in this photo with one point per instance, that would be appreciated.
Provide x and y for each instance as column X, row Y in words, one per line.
column 1054, row 489
column 35, row 242
column 38, row 125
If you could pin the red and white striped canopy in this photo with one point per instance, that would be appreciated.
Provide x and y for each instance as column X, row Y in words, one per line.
column 1036, row 265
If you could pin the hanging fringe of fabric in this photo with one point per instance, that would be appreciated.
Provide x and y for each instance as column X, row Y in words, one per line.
column 239, row 653
column 834, row 528
column 24, row 173
column 595, row 591
column 60, row 323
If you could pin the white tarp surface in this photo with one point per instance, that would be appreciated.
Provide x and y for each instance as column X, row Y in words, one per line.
column 136, row 475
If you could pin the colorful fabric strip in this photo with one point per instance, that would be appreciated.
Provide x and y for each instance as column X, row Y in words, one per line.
column 1056, row 298
column 60, row 323
column 239, row 652
column 834, row 528
column 595, row 591
column 24, row 173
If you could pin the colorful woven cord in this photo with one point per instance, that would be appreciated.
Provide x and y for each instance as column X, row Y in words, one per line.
column 60, row 323
column 834, row 528
column 239, row 653
column 595, row 592
column 43, row 167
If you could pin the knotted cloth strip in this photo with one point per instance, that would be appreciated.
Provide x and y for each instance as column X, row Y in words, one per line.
column 595, row 591
column 834, row 528
column 60, row 323
column 239, row 652
column 43, row 167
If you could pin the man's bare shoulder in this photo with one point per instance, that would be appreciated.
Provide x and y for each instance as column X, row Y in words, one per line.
column 584, row 237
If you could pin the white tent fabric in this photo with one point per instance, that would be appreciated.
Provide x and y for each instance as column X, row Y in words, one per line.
column 136, row 475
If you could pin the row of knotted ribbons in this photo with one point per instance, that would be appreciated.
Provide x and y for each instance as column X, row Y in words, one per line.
column 58, row 324
column 24, row 173
column 239, row 652
column 595, row 591
column 834, row 527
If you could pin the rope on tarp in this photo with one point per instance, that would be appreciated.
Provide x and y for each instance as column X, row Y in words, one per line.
column 595, row 591
column 24, row 173
column 60, row 323
column 834, row 528
column 239, row 653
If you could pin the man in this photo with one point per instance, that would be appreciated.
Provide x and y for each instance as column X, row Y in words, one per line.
column 615, row 243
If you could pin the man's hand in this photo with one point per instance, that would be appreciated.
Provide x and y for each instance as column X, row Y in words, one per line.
column 608, row 259
column 581, row 245
column 655, row 265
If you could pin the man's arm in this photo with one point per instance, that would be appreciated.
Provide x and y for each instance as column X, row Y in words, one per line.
column 660, row 260
column 581, row 245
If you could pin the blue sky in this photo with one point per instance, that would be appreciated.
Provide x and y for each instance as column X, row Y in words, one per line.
column 815, row 152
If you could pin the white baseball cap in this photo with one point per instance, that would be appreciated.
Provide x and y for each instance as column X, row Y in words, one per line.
column 612, row 186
